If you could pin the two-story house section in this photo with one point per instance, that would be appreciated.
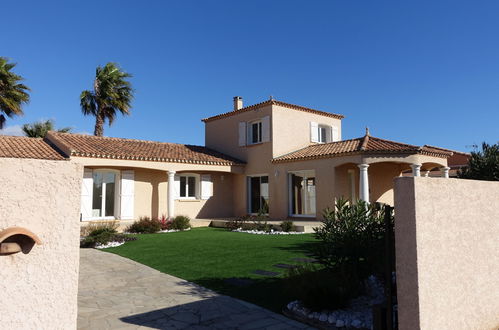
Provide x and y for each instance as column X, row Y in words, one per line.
column 285, row 160
column 297, row 164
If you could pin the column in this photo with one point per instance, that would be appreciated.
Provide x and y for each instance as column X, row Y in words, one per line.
column 363, row 183
column 416, row 169
column 445, row 172
column 427, row 173
column 171, row 194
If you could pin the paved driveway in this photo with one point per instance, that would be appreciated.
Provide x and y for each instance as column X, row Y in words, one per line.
column 118, row 293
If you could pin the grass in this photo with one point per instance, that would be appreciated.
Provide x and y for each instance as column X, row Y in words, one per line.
column 210, row 256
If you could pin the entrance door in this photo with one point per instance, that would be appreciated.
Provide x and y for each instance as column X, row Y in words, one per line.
column 104, row 194
column 258, row 194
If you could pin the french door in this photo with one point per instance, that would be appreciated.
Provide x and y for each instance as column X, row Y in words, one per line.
column 302, row 193
column 104, row 194
column 258, row 192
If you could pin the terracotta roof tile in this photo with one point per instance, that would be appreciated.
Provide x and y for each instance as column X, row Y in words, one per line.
column 25, row 147
column 363, row 145
column 106, row 147
column 273, row 102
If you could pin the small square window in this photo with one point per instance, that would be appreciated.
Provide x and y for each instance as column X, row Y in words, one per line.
column 187, row 186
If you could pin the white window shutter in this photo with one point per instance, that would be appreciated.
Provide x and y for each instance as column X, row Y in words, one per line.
column 206, row 186
column 127, row 195
column 314, row 132
column 242, row 134
column 335, row 133
column 176, row 186
column 86, row 194
column 266, row 129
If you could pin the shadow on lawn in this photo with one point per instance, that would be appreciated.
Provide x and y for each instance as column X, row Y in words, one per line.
column 307, row 248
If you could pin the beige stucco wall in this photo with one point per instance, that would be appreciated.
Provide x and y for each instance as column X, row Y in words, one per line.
column 447, row 253
column 291, row 129
column 39, row 290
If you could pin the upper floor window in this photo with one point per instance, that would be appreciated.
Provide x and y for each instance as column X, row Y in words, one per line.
column 321, row 133
column 255, row 132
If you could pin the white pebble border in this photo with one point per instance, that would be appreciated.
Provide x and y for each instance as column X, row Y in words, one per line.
column 271, row 232
column 173, row 230
column 358, row 314
column 108, row 245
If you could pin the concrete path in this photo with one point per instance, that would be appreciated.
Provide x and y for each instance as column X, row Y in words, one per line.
column 118, row 293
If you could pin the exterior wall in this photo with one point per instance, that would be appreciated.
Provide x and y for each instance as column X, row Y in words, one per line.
column 39, row 289
column 291, row 129
column 151, row 191
column 223, row 135
column 219, row 205
column 446, row 248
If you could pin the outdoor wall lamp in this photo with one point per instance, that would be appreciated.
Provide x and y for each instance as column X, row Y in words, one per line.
column 17, row 239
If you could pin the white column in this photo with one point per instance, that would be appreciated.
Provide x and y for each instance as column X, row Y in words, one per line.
column 363, row 183
column 171, row 194
column 427, row 173
column 416, row 169
column 445, row 172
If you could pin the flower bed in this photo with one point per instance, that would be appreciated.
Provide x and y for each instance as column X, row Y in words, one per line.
column 271, row 232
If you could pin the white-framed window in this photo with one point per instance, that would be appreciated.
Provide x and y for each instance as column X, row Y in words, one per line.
column 302, row 194
column 105, row 194
column 255, row 132
column 188, row 186
column 323, row 133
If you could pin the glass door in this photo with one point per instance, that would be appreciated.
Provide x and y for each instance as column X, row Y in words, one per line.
column 258, row 194
column 104, row 194
column 302, row 193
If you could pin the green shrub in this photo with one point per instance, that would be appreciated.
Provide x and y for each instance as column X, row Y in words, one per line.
column 352, row 238
column 181, row 222
column 321, row 288
column 236, row 223
column 260, row 223
column 288, row 226
column 93, row 229
column 104, row 238
column 145, row 225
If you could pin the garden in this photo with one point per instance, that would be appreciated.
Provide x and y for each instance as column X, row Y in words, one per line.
column 333, row 276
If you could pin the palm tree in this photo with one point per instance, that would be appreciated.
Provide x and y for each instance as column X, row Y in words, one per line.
column 112, row 93
column 13, row 94
column 41, row 128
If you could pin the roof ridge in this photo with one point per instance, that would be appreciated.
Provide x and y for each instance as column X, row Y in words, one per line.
column 273, row 102
column 124, row 139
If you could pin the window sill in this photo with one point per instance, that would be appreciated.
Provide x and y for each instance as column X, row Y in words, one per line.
column 187, row 200
column 303, row 215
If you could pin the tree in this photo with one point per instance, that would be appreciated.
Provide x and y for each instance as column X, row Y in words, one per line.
column 112, row 93
column 13, row 94
column 41, row 128
column 483, row 165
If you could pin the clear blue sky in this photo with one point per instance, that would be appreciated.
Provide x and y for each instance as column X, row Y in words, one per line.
column 420, row 72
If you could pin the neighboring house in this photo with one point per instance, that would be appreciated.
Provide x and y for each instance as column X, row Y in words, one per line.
column 273, row 157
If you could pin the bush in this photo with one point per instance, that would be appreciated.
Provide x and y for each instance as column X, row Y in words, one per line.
column 165, row 222
column 93, row 229
column 260, row 223
column 352, row 238
column 145, row 225
column 320, row 289
column 288, row 226
column 236, row 223
column 181, row 222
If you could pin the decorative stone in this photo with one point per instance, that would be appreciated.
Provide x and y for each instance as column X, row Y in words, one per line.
column 323, row 317
column 357, row 323
column 340, row 324
column 264, row 272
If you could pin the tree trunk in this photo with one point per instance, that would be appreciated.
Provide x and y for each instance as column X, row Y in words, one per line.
column 99, row 123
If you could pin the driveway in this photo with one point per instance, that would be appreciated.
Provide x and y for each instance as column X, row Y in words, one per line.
column 118, row 293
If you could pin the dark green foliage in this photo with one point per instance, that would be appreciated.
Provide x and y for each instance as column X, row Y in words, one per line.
column 145, row 225
column 112, row 93
column 483, row 165
column 320, row 288
column 236, row 224
column 13, row 94
column 104, row 234
column 181, row 222
column 288, row 226
column 41, row 128
column 351, row 238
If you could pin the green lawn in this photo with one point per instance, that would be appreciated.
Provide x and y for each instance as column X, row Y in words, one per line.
column 209, row 256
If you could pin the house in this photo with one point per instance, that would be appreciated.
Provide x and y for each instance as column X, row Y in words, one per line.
column 285, row 160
